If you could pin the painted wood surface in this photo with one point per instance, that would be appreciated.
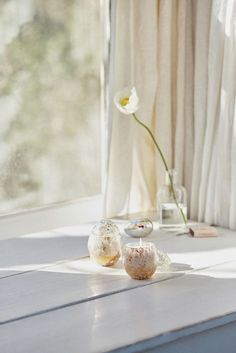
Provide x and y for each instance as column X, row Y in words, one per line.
column 54, row 299
column 67, row 283
column 35, row 251
column 163, row 311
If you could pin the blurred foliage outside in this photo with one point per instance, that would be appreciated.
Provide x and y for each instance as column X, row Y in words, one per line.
column 50, row 59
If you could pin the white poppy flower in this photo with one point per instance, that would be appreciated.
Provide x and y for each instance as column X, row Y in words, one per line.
column 127, row 101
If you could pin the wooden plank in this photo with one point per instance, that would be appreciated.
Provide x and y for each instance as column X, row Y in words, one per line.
column 210, row 339
column 142, row 318
column 76, row 281
column 194, row 252
column 31, row 252
column 64, row 284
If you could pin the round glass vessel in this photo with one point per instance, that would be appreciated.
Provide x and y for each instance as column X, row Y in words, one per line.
column 139, row 228
column 140, row 260
column 104, row 243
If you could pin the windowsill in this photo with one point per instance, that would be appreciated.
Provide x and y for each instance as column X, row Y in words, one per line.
column 54, row 299
column 49, row 217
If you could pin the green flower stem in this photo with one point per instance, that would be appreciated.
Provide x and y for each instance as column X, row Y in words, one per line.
column 165, row 164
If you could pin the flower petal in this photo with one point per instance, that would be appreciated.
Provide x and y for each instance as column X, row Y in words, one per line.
column 130, row 95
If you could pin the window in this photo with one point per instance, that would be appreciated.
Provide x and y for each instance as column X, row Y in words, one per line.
column 52, row 58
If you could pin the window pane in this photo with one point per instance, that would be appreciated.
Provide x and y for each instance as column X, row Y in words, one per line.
column 50, row 58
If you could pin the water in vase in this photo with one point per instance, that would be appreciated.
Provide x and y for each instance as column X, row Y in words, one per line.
column 170, row 215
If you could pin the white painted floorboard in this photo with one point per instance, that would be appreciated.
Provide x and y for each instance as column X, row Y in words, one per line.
column 57, row 286
column 55, row 300
column 161, row 312
column 31, row 252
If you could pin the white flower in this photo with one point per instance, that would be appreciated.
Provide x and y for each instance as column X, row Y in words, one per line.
column 127, row 101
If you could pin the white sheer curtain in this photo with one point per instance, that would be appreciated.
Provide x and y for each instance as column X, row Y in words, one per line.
column 181, row 56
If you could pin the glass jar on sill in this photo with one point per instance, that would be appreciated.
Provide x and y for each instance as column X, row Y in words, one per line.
column 170, row 215
column 104, row 243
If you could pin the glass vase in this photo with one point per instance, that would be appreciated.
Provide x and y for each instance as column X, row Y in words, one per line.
column 170, row 215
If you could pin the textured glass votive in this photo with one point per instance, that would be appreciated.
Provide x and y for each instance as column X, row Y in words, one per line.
column 105, row 250
column 140, row 260
column 104, row 243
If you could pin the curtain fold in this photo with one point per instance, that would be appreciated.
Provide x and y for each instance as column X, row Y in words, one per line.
column 202, row 26
column 131, row 182
column 181, row 56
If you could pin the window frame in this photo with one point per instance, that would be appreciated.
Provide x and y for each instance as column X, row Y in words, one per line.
column 81, row 210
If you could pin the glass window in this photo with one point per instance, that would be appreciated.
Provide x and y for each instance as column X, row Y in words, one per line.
column 50, row 101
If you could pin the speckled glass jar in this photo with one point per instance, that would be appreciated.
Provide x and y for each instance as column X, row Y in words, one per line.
column 104, row 243
column 140, row 260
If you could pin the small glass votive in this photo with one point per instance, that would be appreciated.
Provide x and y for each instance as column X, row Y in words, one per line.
column 140, row 260
column 104, row 243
